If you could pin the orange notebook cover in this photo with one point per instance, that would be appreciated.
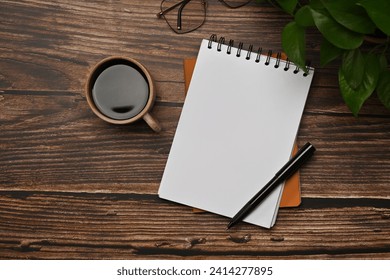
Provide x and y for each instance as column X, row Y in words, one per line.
column 291, row 196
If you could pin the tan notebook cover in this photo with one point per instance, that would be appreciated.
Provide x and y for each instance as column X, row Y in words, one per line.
column 291, row 196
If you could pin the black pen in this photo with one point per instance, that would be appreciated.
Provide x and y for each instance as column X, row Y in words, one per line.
column 284, row 173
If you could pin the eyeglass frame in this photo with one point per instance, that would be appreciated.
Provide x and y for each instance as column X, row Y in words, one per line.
column 182, row 5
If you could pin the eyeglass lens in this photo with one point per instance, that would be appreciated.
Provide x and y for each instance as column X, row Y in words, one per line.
column 184, row 16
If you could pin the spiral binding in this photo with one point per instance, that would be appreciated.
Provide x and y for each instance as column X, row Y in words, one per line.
column 268, row 59
column 229, row 49
column 220, row 42
column 248, row 55
column 287, row 63
column 240, row 46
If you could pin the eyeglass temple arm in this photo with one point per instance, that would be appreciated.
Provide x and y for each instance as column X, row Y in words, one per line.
column 185, row 2
column 159, row 14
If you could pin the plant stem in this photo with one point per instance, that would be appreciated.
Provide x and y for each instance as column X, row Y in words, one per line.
column 376, row 40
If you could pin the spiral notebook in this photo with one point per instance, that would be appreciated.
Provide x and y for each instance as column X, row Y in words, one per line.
column 291, row 195
column 236, row 130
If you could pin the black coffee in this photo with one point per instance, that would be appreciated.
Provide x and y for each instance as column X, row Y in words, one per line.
column 120, row 91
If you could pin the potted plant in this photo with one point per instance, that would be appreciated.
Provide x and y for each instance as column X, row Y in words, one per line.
column 346, row 27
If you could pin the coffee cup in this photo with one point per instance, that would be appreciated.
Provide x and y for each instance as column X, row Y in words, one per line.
column 120, row 90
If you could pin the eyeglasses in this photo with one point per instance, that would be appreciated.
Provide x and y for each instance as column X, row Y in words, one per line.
column 188, row 15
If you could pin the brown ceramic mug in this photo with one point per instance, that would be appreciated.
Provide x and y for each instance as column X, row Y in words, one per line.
column 120, row 90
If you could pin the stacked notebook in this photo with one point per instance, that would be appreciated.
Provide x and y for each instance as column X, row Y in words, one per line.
column 237, row 128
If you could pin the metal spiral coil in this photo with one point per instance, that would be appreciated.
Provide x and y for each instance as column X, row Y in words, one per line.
column 220, row 42
column 248, row 55
column 229, row 49
column 240, row 46
column 213, row 38
column 259, row 54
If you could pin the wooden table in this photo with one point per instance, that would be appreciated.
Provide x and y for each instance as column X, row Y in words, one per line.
column 73, row 186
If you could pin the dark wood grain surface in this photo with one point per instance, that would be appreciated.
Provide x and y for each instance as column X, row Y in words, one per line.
column 75, row 187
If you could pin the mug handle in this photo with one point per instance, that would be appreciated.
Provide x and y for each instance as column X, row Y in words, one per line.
column 152, row 122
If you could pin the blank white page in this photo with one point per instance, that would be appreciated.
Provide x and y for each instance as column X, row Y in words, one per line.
column 236, row 130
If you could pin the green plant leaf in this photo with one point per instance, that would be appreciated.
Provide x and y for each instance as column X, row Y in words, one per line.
column 328, row 52
column 354, row 98
column 378, row 11
column 383, row 62
column 287, row 5
column 316, row 4
column 353, row 67
column 350, row 15
column 383, row 88
column 293, row 42
column 303, row 17
column 334, row 32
